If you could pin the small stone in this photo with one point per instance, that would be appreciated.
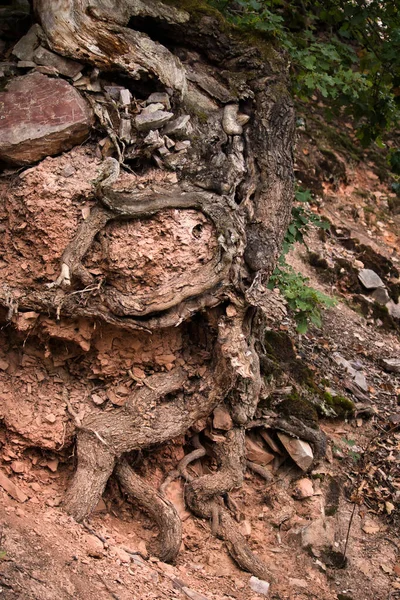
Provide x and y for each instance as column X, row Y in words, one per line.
column 125, row 129
column 94, row 546
column 298, row 450
column 183, row 145
column 26, row 64
column 154, row 139
column 100, row 507
column 64, row 66
column 256, row 453
column 361, row 381
column 222, row 419
column 304, row 489
column 145, row 122
column 26, row 46
column 4, row 365
column 245, row 528
column 68, row 171
column 52, row 465
column 370, row 279
column 271, row 443
column 301, row 583
column 113, row 91
column 393, row 309
column 17, row 466
column 159, row 98
column 391, row 365
column 50, row 418
column 121, row 554
column 168, row 142
column 152, row 108
column 178, row 127
column 13, row 490
column 381, row 295
column 163, row 151
column 259, row 585
column 358, row 264
column 125, row 97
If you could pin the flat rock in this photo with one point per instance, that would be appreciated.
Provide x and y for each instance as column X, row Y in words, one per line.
column 13, row 490
column 391, row 365
column 153, row 120
column 178, row 127
column 64, row 66
column 25, row 48
column 222, row 419
column 159, row 98
column 298, row 450
column 41, row 117
column 361, row 381
column 256, row 453
column 259, row 585
column 393, row 309
column 381, row 295
column 370, row 279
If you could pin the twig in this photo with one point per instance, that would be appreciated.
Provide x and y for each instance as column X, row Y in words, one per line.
column 348, row 532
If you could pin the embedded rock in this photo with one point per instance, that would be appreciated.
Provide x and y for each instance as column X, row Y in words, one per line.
column 391, row 365
column 64, row 66
column 41, row 117
column 152, row 120
column 298, row 450
column 25, row 48
column 255, row 453
column 370, row 279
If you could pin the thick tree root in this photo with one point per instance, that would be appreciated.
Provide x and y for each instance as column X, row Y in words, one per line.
column 159, row 508
column 202, row 498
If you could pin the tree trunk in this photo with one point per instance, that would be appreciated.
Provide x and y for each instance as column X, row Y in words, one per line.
column 236, row 182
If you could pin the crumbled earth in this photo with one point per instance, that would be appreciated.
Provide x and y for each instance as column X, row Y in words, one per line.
column 329, row 534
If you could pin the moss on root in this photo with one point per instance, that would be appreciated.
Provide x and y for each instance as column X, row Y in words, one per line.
column 342, row 406
column 295, row 406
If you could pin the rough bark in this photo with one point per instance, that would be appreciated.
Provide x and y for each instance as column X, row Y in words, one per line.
column 238, row 174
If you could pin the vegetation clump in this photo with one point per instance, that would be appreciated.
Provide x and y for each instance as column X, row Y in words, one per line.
column 296, row 406
column 341, row 406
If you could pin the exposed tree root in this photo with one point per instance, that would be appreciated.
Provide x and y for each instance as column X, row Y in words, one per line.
column 159, row 508
column 202, row 498
column 181, row 470
column 260, row 470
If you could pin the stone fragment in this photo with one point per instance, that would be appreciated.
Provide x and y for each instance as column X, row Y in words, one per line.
column 41, row 117
column 4, row 365
column 45, row 70
column 64, row 66
column 159, row 98
column 125, row 129
column 152, row 108
column 68, row 171
column 121, row 554
column 381, row 295
column 319, row 534
column 145, row 122
column 26, row 64
column 222, row 419
column 50, row 418
column 168, row 142
column 13, row 490
column 259, row 585
column 154, row 139
column 370, row 279
column 393, row 309
column 361, row 381
column 271, row 443
column 52, row 465
column 113, row 91
column 94, row 546
column 163, row 151
column 298, row 450
column 125, row 97
column 17, row 466
column 255, row 453
column 303, row 489
column 178, row 127
column 391, row 365
column 25, row 48
column 183, row 145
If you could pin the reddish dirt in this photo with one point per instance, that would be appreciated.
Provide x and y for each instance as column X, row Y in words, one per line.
column 44, row 553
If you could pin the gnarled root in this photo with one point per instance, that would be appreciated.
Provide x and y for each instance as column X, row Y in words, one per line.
column 159, row 508
column 202, row 498
column 95, row 466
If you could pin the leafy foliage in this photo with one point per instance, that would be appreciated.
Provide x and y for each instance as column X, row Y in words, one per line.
column 304, row 301
column 347, row 51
